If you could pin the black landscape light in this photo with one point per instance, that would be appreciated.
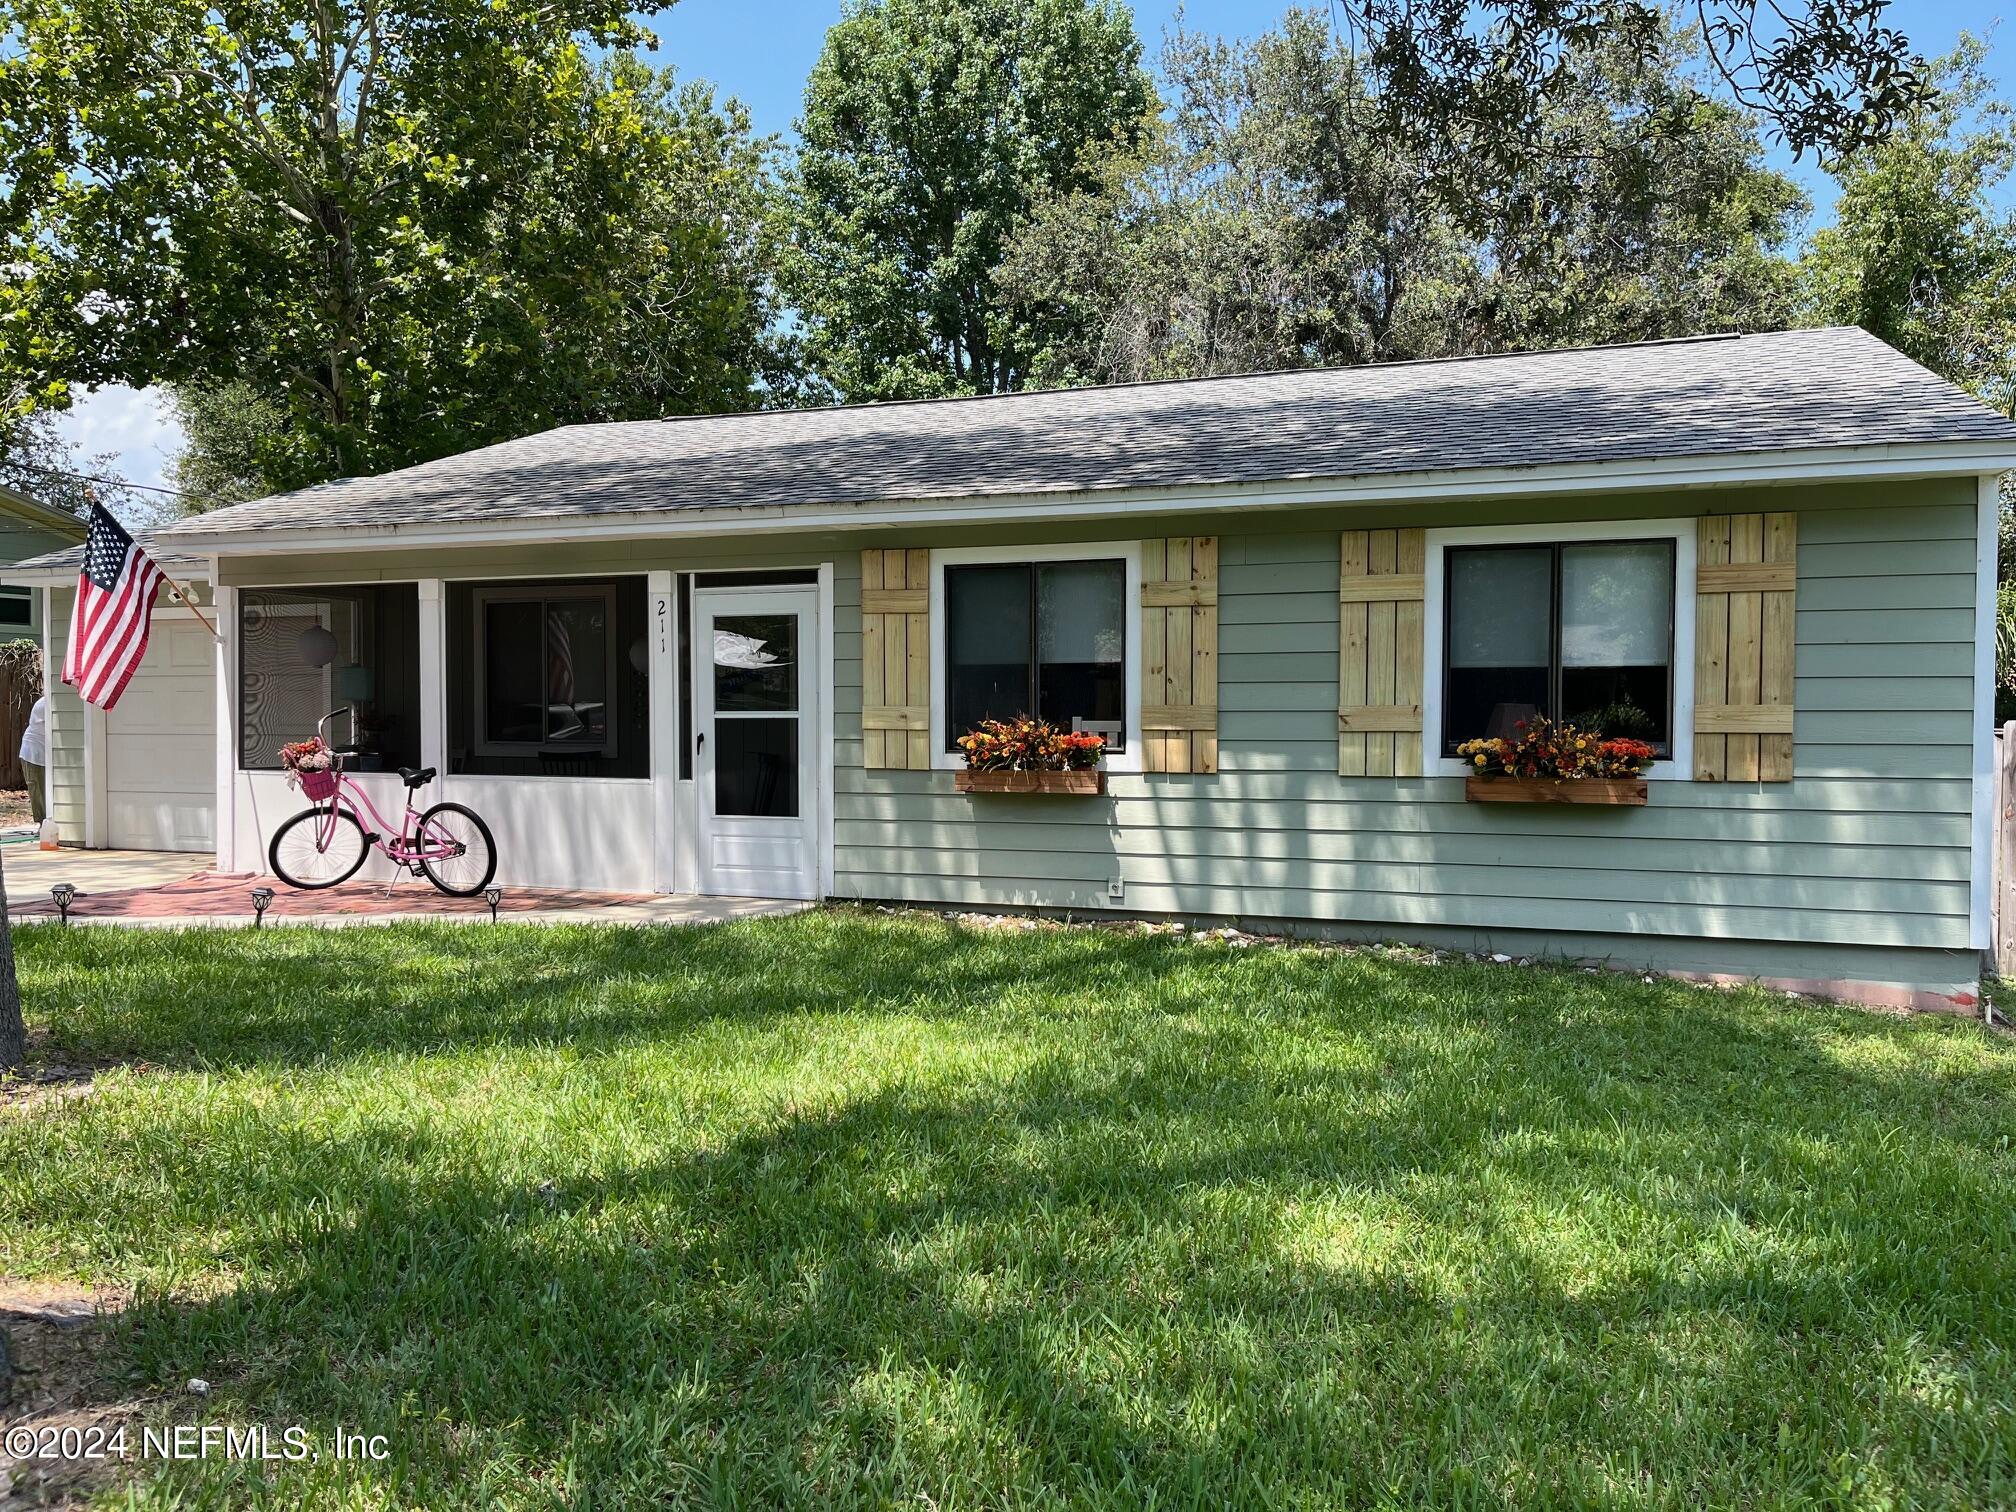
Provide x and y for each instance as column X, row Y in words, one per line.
column 493, row 896
column 262, row 899
column 63, row 892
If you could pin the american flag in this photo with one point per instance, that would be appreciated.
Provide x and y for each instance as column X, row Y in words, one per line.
column 115, row 611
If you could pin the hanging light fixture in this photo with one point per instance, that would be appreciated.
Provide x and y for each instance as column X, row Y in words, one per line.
column 317, row 645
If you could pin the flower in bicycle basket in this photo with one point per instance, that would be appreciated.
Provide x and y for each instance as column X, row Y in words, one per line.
column 309, row 755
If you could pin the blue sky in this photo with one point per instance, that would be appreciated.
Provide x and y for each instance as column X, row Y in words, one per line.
column 763, row 62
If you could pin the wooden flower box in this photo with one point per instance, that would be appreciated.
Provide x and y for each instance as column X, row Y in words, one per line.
column 1087, row 784
column 1608, row 790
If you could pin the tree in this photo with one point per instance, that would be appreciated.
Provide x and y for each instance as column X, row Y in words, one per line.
column 227, row 429
column 1466, row 79
column 1281, row 221
column 414, row 225
column 1918, row 253
column 930, row 128
column 1645, row 212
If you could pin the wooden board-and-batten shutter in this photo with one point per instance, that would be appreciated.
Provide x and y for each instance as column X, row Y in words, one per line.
column 896, row 660
column 1179, row 654
column 1745, row 580
column 1379, row 641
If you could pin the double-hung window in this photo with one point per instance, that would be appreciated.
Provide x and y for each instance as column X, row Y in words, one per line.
column 1577, row 630
column 1047, row 638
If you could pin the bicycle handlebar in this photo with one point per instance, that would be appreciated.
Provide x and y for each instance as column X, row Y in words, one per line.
column 321, row 732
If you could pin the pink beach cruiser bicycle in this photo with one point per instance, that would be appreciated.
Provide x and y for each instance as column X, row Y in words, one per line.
column 323, row 845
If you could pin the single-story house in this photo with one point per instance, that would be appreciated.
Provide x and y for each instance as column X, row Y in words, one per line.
column 731, row 654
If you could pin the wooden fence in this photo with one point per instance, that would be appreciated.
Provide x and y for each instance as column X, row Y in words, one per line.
column 20, row 686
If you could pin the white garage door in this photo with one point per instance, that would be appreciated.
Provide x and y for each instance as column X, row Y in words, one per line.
column 161, row 744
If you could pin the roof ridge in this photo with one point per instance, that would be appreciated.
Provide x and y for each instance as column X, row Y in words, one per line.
column 1141, row 383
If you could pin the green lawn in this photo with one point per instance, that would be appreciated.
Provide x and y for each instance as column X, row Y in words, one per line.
column 868, row 1210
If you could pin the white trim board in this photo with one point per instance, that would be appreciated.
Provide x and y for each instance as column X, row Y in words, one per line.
column 1678, row 767
column 1723, row 470
column 1981, row 878
column 1128, row 552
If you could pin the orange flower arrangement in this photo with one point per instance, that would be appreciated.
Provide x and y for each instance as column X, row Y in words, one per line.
column 1543, row 748
column 1023, row 744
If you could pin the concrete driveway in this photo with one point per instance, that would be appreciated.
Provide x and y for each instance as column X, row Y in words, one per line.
column 31, row 871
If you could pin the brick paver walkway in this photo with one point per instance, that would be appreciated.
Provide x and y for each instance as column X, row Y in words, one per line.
column 221, row 897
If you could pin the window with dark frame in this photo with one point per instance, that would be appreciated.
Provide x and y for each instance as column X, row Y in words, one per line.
column 16, row 606
column 1574, row 630
column 550, row 678
column 1048, row 639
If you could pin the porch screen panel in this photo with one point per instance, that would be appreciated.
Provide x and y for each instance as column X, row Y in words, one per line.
column 368, row 664
column 896, row 660
column 1746, row 585
column 1179, row 654
column 1379, row 646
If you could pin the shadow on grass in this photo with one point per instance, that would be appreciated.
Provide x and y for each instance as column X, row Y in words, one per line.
column 1231, row 1227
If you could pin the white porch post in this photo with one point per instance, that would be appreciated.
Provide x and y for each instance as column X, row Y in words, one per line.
column 224, row 605
column 664, row 683
column 52, row 672
column 95, row 826
column 434, row 680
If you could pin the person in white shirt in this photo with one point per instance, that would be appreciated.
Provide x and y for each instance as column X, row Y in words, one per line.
column 35, row 757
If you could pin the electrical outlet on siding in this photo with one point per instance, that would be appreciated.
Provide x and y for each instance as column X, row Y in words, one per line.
column 1116, row 889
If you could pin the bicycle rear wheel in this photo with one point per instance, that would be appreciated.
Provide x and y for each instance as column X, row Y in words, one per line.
column 317, row 848
column 473, row 859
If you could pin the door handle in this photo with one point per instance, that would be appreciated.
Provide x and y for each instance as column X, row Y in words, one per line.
column 700, row 740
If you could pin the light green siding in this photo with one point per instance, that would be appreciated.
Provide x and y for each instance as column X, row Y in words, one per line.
column 66, row 728
column 1867, row 851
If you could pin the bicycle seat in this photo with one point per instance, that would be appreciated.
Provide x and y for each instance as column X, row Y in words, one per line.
column 417, row 777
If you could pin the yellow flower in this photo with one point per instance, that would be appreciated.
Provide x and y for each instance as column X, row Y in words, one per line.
column 1480, row 758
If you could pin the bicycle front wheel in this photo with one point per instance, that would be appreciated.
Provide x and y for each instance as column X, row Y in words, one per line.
column 318, row 847
column 456, row 850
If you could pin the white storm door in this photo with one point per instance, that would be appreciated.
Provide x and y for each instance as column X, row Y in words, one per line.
column 755, row 713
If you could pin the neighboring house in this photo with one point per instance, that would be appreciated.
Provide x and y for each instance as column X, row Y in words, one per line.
column 29, row 528
column 730, row 654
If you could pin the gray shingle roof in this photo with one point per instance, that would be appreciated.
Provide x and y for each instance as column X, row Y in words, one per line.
column 70, row 558
column 1770, row 392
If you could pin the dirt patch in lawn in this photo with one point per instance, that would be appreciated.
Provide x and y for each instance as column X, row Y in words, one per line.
column 44, row 1086
column 48, row 1080
column 52, row 1382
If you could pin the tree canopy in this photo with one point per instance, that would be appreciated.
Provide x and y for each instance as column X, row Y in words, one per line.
column 414, row 225
column 1279, row 221
column 1919, row 253
column 348, row 235
column 930, row 128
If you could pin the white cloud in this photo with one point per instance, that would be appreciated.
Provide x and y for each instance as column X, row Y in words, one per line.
column 134, row 425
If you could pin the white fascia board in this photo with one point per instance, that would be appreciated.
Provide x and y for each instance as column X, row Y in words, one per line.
column 1731, row 470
